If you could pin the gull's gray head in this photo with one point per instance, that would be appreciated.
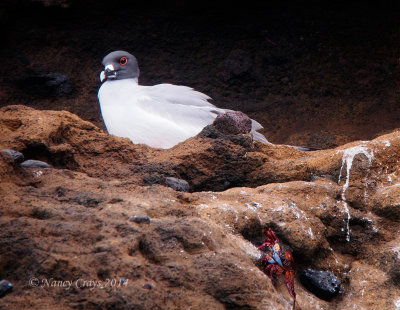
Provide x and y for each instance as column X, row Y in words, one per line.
column 119, row 65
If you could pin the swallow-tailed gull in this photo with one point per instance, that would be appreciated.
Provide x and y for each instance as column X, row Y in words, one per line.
column 160, row 116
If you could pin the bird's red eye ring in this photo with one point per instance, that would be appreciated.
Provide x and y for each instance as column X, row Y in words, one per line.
column 123, row 61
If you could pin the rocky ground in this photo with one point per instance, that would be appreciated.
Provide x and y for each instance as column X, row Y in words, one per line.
column 103, row 213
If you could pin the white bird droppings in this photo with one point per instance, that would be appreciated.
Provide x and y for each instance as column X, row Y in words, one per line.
column 309, row 231
column 346, row 209
column 397, row 251
column 397, row 304
column 347, row 159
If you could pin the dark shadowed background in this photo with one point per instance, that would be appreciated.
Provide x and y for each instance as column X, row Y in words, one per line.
column 313, row 73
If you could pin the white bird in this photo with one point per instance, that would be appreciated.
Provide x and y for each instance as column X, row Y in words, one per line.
column 160, row 116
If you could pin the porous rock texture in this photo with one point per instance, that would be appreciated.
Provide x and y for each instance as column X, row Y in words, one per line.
column 336, row 209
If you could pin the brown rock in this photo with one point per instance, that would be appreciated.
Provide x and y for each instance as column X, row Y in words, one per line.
column 232, row 123
column 335, row 209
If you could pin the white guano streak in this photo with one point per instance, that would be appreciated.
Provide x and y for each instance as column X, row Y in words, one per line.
column 347, row 158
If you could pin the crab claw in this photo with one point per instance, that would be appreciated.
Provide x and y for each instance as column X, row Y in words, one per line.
column 272, row 270
column 271, row 239
column 271, row 235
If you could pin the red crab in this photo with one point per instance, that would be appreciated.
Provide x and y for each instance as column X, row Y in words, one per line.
column 278, row 261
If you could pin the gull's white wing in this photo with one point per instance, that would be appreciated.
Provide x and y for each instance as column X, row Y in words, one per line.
column 179, row 104
column 185, row 107
column 159, row 116
column 177, row 94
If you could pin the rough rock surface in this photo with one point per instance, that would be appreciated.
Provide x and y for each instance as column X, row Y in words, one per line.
column 323, row 284
column 5, row 287
column 232, row 123
column 13, row 156
column 139, row 219
column 177, row 184
column 335, row 209
column 32, row 163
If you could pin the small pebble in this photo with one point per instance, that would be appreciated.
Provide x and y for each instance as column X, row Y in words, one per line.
column 32, row 163
column 140, row 219
column 15, row 156
column 5, row 287
column 177, row 184
column 148, row 286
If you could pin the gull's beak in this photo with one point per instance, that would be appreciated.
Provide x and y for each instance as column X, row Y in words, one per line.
column 102, row 76
column 108, row 73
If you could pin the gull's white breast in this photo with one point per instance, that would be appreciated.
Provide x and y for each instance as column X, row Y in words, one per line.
column 159, row 116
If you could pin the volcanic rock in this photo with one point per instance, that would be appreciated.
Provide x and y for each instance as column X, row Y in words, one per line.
column 334, row 209
column 323, row 284
column 177, row 184
column 232, row 123
column 48, row 85
column 5, row 287
column 14, row 156
column 140, row 219
column 31, row 163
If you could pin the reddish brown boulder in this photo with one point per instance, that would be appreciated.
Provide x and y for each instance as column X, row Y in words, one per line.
column 233, row 123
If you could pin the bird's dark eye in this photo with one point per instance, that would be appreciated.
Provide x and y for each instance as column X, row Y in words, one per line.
column 123, row 61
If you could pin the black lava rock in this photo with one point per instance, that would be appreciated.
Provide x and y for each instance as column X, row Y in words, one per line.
column 5, row 287
column 140, row 219
column 14, row 156
column 177, row 184
column 322, row 284
column 148, row 286
column 31, row 163
column 46, row 85
column 211, row 132
column 233, row 123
